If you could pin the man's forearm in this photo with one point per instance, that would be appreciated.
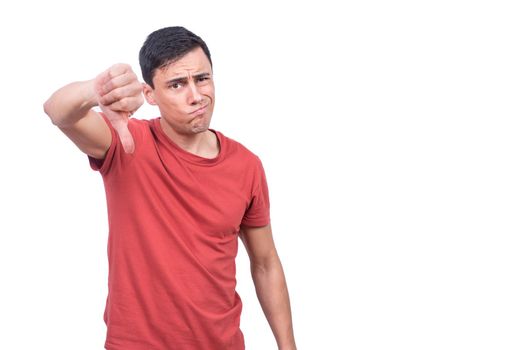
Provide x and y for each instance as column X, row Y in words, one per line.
column 272, row 292
column 71, row 103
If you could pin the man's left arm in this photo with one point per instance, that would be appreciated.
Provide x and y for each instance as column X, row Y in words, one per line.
column 270, row 283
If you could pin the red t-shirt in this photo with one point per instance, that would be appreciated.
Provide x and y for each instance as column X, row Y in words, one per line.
column 174, row 219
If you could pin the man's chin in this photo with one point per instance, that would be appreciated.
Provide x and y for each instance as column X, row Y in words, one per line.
column 199, row 128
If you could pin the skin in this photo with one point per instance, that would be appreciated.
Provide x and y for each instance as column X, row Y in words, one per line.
column 185, row 95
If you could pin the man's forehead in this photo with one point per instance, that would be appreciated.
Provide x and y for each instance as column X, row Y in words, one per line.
column 193, row 61
column 168, row 74
column 174, row 71
column 185, row 73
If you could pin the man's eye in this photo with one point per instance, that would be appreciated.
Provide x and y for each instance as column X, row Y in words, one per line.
column 203, row 78
column 176, row 85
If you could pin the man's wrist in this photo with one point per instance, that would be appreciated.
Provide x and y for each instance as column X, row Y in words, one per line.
column 90, row 97
column 290, row 346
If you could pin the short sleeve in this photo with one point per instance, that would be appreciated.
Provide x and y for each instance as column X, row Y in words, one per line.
column 258, row 213
column 103, row 165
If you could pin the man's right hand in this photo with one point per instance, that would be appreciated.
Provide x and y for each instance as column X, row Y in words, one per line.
column 119, row 95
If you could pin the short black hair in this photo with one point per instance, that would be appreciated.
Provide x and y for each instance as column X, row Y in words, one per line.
column 166, row 45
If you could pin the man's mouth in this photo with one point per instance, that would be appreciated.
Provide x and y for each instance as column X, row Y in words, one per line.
column 199, row 111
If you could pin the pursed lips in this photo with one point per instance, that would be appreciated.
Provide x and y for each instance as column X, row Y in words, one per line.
column 200, row 110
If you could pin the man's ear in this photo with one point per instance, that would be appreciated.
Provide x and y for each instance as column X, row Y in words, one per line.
column 149, row 94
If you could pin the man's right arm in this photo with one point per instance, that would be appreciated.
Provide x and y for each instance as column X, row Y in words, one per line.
column 70, row 109
column 116, row 91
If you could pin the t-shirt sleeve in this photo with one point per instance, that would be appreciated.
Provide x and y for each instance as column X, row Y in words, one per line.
column 257, row 213
column 103, row 165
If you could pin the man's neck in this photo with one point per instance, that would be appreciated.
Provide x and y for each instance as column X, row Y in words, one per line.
column 204, row 144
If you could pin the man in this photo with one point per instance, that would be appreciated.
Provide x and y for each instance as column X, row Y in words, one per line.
column 178, row 195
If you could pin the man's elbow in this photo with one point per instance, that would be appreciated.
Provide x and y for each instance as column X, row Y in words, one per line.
column 265, row 264
column 48, row 109
column 55, row 114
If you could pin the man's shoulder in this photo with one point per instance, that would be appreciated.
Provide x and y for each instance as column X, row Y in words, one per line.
column 237, row 148
column 141, row 126
column 141, row 122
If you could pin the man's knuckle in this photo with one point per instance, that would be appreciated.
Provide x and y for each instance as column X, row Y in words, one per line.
column 124, row 104
column 118, row 94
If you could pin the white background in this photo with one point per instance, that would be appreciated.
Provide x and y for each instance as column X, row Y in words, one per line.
column 392, row 137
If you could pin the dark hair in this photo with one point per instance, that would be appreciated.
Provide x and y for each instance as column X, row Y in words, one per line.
column 166, row 45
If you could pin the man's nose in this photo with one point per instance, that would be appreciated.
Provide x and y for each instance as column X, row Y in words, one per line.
column 195, row 97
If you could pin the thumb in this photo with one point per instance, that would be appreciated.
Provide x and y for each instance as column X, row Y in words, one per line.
column 119, row 121
column 125, row 136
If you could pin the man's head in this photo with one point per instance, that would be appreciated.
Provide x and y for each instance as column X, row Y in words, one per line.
column 165, row 46
column 176, row 66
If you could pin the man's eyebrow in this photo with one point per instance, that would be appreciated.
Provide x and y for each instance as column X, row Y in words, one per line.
column 184, row 79
column 176, row 81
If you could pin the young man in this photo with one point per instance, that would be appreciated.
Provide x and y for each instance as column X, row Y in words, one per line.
column 179, row 195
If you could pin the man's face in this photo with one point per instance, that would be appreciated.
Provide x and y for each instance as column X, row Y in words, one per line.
column 185, row 93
